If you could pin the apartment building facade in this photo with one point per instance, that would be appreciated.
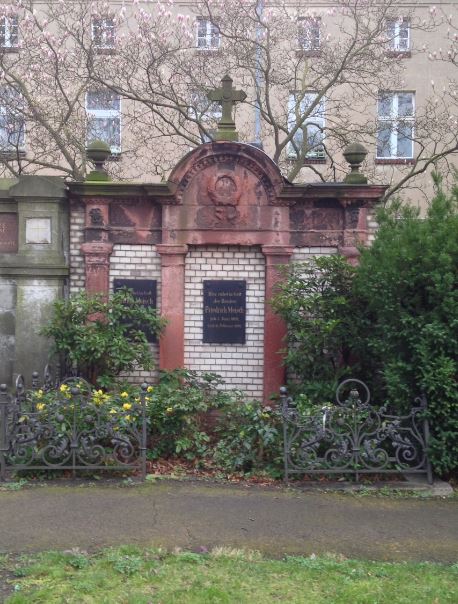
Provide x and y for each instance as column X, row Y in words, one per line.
column 307, row 94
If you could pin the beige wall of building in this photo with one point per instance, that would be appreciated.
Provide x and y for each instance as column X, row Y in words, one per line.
column 145, row 156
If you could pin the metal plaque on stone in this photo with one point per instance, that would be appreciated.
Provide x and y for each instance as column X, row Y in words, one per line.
column 144, row 290
column 224, row 312
column 8, row 232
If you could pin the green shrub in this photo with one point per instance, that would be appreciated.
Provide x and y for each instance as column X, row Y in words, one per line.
column 103, row 337
column 408, row 283
column 316, row 301
column 250, row 438
column 178, row 412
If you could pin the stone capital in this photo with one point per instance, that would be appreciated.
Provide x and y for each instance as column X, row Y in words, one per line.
column 96, row 248
column 277, row 254
column 171, row 250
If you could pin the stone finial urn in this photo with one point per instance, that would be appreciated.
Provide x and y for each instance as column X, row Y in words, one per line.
column 355, row 154
column 98, row 152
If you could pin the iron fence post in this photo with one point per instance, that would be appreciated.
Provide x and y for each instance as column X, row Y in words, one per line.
column 284, row 409
column 144, row 390
column 426, row 432
column 4, row 433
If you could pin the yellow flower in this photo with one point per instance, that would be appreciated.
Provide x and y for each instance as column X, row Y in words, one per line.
column 63, row 388
column 41, row 406
column 127, row 406
column 124, row 394
column 169, row 410
column 127, row 418
column 40, row 393
column 113, row 411
column 149, row 389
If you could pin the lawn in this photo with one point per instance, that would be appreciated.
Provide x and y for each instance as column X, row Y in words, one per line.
column 132, row 575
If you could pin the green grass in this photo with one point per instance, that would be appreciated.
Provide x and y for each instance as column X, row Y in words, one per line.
column 131, row 575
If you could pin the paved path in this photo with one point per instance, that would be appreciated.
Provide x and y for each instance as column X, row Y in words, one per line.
column 195, row 515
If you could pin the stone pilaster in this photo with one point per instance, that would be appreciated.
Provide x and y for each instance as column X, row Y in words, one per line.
column 171, row 344
column 274, row 326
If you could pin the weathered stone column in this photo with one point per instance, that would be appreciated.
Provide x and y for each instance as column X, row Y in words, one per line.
column 171, row 343
column 97, row 265
column 354, row 232
column 33, row 269
column 274, row 326
column 97, row 249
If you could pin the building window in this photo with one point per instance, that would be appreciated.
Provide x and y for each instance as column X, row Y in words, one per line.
column 12, row 123
column 206, row 113
column 309, row 137
column 208, row 35
column 309, row 33
column 103, row 109
column 398, row 34
column 396, row 111
column 103, row 33
column 9, row 32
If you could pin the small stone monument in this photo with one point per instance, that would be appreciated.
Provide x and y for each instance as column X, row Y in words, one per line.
column 227, row 96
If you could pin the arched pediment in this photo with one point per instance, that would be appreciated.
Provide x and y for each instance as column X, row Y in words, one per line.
column 226, row 173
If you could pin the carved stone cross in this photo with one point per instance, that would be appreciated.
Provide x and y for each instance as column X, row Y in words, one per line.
column 226, row 96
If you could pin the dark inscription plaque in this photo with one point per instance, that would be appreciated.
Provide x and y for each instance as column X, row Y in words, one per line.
column 8, row 232
column 145, row 291
column 224, row 312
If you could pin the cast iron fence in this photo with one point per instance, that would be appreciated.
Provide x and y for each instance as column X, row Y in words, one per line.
column 71, row 432
column 354, row 437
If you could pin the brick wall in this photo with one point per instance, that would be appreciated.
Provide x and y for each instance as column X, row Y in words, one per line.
column 302, row 254
column 372, row 225
column 138, row 262
column 241, row 366
column 77, row 274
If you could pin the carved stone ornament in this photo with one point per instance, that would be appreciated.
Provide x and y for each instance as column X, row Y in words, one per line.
column 96, row 216
column 225, row 158
column 223, row 190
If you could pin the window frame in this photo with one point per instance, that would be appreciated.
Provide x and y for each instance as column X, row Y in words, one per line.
column 318, row 121
column 304, row 24
column 105, row 29
column 107, row 114
column 9, row 27
column 5, row 111
column 394, row 40
column 395, row 120
column 212, row 32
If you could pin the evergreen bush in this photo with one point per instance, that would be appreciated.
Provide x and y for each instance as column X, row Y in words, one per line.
column 103, row 337
column 408, row 285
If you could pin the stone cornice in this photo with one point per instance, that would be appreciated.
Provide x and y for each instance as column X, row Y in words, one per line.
column 115, row 190
column 345, row 194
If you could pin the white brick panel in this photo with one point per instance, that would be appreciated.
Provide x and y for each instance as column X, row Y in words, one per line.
column 77, row 273
column 138, row 262
column 303, row 254
column 240, row 365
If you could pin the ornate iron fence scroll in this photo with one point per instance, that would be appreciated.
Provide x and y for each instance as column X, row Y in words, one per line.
column 354, row 437
column 70, row 431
